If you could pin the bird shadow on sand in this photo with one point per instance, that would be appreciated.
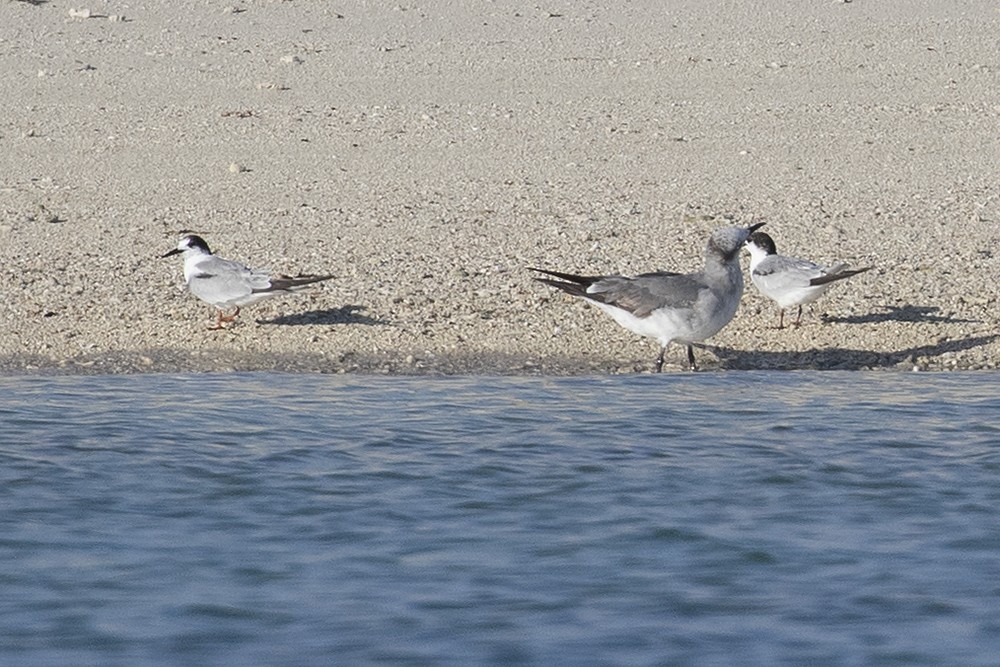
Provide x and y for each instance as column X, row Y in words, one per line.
column 838, row 358
column 907, row 313
column 349, row 314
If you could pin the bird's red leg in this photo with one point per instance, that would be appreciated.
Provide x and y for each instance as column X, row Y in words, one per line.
column 229, row 318
column 221, row 317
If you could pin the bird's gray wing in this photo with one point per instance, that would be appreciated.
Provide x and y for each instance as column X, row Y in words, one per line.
column 780, row 272
column 645, row 293
column 223, row 279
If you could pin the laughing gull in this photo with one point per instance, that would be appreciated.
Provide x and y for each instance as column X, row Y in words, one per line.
column 226, row 284
column 790, row 281
column 670, row 306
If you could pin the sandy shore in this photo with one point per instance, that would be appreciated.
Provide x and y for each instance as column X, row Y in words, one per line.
column 427, row 152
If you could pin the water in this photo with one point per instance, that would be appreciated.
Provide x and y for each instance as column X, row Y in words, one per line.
column 706, row 519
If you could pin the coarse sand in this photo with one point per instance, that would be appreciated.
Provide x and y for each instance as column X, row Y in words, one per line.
column 427, row 152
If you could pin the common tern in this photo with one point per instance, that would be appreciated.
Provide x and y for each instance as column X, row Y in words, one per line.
column 229, row 285
column 790, row 281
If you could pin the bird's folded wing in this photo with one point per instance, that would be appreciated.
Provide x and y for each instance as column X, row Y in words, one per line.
column 838, row 272
column 645, row 293
column 786, row 272
column 222, row 279
column 287, row 283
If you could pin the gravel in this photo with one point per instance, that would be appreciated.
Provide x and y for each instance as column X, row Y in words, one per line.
column 427, row 155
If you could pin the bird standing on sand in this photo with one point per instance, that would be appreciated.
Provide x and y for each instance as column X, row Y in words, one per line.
column 669, row 307
column 226, row 284
column 790, row 281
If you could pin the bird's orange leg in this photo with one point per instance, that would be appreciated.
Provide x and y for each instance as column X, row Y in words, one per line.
column 229, row 318
column 220, row 318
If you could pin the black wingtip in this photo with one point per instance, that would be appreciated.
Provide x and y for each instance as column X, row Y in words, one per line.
column 568, row 277
column 570, row 288
column 573, row 285
column 834, row 277
column 292, row 283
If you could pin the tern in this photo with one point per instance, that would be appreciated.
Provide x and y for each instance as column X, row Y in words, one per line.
column 670, row 307
column 790, row 281
column 229, row 285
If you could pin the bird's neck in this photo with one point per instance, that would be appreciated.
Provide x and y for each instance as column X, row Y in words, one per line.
column 191, row 263
column 722, row 271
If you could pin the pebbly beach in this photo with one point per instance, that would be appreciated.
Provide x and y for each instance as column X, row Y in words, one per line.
column 427, row 153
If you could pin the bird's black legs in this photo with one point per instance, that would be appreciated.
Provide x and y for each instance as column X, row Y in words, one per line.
column 798, row 318
column 691, row 361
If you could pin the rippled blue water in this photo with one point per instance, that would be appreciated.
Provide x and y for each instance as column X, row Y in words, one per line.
column 717, row 518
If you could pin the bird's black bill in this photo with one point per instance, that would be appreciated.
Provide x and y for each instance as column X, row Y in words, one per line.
column 172, row 252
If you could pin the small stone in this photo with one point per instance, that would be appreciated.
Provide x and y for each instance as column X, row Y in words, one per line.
column 236, row 168
column 270, row 85
column 45, row 215
column 80, row 13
